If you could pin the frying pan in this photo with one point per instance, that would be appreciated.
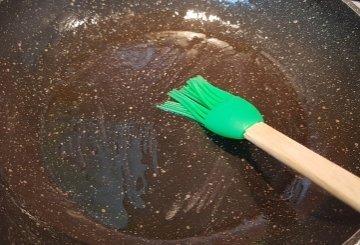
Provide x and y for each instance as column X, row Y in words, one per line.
column 86, row 157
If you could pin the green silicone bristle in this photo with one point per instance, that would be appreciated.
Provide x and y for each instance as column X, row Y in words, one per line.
column 176, row 108
column 195, row 99
column 217, row 110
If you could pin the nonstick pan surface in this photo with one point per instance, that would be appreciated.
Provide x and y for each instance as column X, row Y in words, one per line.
column 87, row 158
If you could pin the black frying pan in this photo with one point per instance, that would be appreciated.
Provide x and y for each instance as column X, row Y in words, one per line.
column 87, row 158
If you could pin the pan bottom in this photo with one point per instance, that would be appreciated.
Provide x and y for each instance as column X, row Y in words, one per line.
column 134, row 168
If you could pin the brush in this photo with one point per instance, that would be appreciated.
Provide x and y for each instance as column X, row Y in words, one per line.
column 234, row 117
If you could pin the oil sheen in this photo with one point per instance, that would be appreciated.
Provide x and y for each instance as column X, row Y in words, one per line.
column 132, row 167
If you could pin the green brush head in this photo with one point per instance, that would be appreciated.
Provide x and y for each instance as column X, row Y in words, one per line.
column 217, row 110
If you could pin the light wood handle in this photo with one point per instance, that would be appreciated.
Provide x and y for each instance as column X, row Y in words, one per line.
column 336, row 180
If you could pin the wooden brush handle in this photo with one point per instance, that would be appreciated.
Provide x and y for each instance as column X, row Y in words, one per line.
column 336, row 180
